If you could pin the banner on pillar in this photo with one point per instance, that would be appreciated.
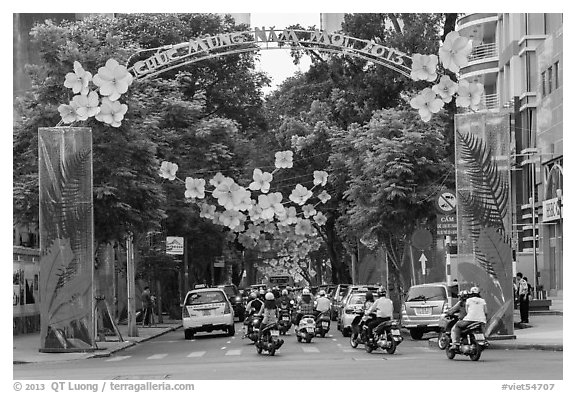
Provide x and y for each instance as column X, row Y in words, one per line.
column 482, row 143
column 66, row 239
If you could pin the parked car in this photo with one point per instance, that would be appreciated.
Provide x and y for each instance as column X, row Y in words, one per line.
column 205, row 310
column 425, row 305
column 337, row 295
column 235, row 298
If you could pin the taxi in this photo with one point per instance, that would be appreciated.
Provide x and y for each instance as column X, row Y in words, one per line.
column 206, row 310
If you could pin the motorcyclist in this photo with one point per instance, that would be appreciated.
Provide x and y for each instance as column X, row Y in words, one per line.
column 322, row 303
column 305, row 306
column 368, row 301
column 254, row 304
column 284, row 299
column 269, row 311
column 383, row 308
column 475, row 312
column 261, row 294
column 458, row 310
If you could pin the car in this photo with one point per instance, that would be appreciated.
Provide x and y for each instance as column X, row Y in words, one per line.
column 206, row 310
column 235, row 298
column 352, row 303
column 425, row 305
column 354, row 288
column 337, row 295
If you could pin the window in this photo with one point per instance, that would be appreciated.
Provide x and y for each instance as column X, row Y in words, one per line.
column 543, row 77
column 531, row 71
column 535, row 24
column 556, row 76
column 549, row 79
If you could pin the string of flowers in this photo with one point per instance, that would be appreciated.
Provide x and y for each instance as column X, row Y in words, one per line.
column 453, row 54
column 101, row 102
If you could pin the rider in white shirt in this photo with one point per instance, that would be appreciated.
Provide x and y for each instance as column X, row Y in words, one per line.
column 475, row 312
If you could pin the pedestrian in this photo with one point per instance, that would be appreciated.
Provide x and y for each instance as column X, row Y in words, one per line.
column 523, row 297
column 146, row 306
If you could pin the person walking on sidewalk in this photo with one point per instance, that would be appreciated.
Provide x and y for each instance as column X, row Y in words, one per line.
column 523, row 297
column 147, row 307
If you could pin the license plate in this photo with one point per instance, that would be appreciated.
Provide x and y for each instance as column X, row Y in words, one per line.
column 423, row 311
column 274, row 333
column 325, row 324
column 396, row 332
column 285, row 318
column 310, row 329
column 479, row 336
column 206, row 312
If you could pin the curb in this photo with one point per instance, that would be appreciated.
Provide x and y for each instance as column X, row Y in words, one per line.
column 496, row 344
column 133, row 343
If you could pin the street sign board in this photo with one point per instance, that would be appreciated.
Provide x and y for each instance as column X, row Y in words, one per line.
column 446, row 225
column 422, row 239
column 174, row 245
column 445, row 202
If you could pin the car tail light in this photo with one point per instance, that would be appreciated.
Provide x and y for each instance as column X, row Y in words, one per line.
column 227, row 308
column 185, row 313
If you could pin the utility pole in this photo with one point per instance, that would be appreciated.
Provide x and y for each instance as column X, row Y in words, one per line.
column 132, row 327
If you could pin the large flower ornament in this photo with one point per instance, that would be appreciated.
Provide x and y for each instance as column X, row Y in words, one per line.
column 427, row 103
column 219, row 178
column 231, row 218
column 86, row 105
column 194, row 188
column 454, row 51
column 446, row 88
column 68, row 113
column 324, row 197
column 303, row 227
column 320, row 218
column 207, row 210
column 111, row 112
column 308, row 210
column 289, row 216
column 284, row 159
column 168, row 170
column 424, row 67
column 469, row 94
column 78, row 80
column 113, row 80
column 320, row 178
column 300, row 195
column 261, row 181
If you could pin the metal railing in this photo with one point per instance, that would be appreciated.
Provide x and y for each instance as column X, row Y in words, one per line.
column 483, row 51
column 491, row 101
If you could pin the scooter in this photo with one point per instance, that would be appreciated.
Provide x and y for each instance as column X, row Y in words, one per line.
column 306, row 328
column 322, row 324
column 385, row 336
column 284, row 319
column 269, row 340
column 472, row 342
column 252, row 327
column 444, row 333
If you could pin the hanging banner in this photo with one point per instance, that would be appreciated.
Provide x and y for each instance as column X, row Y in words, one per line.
column 482, row 143
column 174, row 245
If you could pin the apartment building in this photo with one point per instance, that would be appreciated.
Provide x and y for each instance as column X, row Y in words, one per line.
column 518, row 58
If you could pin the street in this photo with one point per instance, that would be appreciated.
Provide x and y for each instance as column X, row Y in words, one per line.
column 218, row 357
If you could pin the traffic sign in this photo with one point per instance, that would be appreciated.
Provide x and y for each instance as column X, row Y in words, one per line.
column 446, row 201
column 422, row 239
column 423, row 261
column 174, row 245
column 446, row 224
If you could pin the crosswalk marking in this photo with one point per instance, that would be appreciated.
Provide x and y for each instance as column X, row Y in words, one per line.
column 196, row 354
column 310, row 349
column 233, row 352
column 157, row 356
column 117, row 358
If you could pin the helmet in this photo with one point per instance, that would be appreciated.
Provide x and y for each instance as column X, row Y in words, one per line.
column 463, row 294
column 269, row 296
column 284, row 292
column 381, row 291
column 322, row 293
column 305, row 291
column 262, row 292
column 253, row 295
column 369, row 296
column 475, row 290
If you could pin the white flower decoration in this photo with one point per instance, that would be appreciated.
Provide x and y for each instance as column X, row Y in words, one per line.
column 424, row 67
column 284, row 159
column 194, row 188
column 168, row 170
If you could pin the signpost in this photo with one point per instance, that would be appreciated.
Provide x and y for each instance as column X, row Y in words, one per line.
column 446, row 223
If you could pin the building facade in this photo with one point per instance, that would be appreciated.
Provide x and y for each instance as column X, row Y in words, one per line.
column 518, row 58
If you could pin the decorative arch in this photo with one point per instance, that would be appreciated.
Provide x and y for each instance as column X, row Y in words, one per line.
column 197, row 49
column 554, row 181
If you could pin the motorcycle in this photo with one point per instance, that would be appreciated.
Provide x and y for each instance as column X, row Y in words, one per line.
column 322, row 324
column 444, row 333
column 284, row 319
column 472, row 342
column 252, row 327
column 269, row 340
column 306, row 328
column 385, row 336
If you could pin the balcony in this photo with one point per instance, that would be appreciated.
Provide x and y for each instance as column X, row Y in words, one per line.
column 483, row 51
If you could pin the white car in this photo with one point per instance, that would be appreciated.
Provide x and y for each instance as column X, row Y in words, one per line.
column 205, row 310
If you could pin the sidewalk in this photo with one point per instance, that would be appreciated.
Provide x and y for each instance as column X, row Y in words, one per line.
column 544, row 332
column 25, row 346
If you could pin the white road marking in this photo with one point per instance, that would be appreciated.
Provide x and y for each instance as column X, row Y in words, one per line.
column 117, row 358
column 310, row 349
column 157, row 356
column 349, row 350
column 196, row 354
column 233, row 352
column 334, row 339
column 228, row 342
column 223, row 348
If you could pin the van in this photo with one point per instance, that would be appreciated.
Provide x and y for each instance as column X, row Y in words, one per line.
column 425, row 305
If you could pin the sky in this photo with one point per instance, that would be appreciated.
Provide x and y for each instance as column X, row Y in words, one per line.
column 277, row 62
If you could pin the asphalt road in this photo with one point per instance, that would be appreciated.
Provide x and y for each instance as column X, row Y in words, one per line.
column 219, row 357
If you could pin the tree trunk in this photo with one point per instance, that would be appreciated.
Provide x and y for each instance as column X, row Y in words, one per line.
column 340, row 273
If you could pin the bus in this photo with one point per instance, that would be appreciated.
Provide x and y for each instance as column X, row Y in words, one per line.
column 280, row 280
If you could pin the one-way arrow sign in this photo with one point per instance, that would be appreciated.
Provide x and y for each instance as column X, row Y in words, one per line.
column 423, row 261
